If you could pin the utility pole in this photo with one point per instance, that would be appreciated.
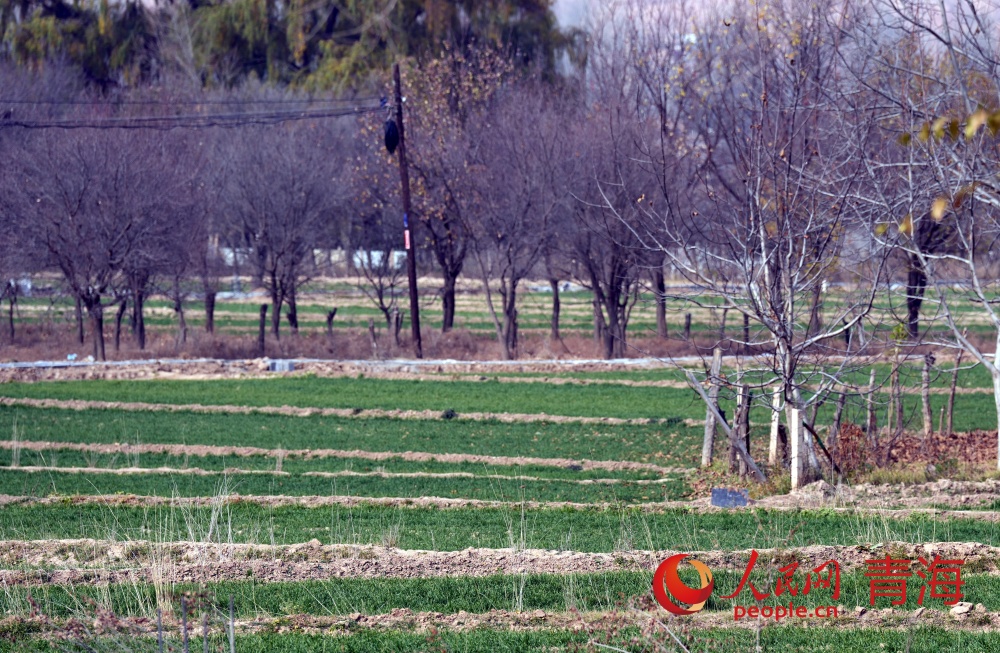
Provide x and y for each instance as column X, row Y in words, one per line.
column 408, row 240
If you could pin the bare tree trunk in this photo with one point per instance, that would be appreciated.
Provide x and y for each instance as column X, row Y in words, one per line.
column 210, row 311
column 708, row 443
column 660, row 287
column 754, row 468
column 182, row 329
column 598, row 322
column 996, row 400
column 293, row 311
column 838, row 415
column 916, row 284
column 11, row 303
column 925, row 397
column 815, row 310
column 277, row 300
column 179, row 310
column 554, row 332
column 119, row 316
column 746, row 332
column 772, row 449
column 743, row 421
column 687, row 326
column 897, row 400
column 371, row 335
column 397, row 324
column 79, row 320
column 509, row 332
column 138, row 315
column 871, row 423
column 329, row 323
column 493, row 313
column 262, row 331
column 951, row 395
column 96, row 312
column 448, row 302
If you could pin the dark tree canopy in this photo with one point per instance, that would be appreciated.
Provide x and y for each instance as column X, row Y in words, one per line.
column 320, row 45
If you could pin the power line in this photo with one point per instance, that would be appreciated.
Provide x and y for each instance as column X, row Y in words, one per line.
column 182, row 102
column 189, row 121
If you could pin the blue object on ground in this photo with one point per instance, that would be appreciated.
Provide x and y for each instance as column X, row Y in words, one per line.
column 726, row 498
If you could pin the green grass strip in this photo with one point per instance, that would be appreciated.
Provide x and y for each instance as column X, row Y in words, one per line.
column 59, row 457
column 19, row 482
column 667, row 444
column 444, row 594
column 588, row 530
column 310, row 391
column 772, row 638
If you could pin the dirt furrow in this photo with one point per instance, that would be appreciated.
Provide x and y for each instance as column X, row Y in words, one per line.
column 501, row 477
column 297, row 411
column 106, row 561
column 234, row 471
column 414, row 456
column 843, row 501
column 466, row 371
column 645, row 615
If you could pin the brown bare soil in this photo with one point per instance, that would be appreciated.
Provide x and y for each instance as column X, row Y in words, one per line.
column 646, row 616
column 295, row 411
column 33, row 343
column 455, row 370
column 197, row 471
column 891, row 501
column 417, row 456
column 92, row 561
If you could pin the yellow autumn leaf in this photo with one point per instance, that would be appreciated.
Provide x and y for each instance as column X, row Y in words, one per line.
column 906, row 226
column 938, row 208
column 993, row 122
column 880, row 229
column 925, row 133
column 938, row 127
column 976, row 120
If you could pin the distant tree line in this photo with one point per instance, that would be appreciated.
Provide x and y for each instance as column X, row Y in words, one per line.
column 824, row 173
column 317, row 45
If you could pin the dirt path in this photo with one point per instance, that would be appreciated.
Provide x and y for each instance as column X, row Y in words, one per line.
column 309, row 454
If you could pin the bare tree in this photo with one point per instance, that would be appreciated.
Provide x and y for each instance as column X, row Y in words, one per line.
column 767, row 230
column 283, row 186
column 95, row 199
column 519, row 189
column 940, row 204
column 444, row 132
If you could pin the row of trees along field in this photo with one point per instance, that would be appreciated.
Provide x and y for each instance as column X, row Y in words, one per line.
column 826, row 171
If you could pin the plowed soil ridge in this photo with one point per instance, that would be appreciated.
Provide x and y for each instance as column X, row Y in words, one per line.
column 308, row 454
column 648, row 617
column 297, row 411
column 235, row 471
column 845, row 503
column 90, row 561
